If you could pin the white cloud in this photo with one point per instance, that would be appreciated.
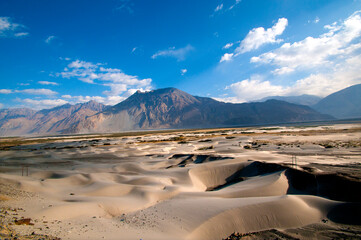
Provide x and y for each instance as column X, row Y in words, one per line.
column 84, row 71
column 228, row 45
column 40, row 91
column 183, row 71
column 21, row 34
column 342, row 75
column 282, row 70
column 112, row 100
column 43, row 104
column 118, row 82
column 11, row 29
column 226, row 57
column 48, row 83
column 180, row 53
column 253, row 89
column 219, row 7
column 115, row 89
column 49, row 39
column 82, row 64
column 258, row 37
column 324, row 51
column 108, row 100
column 66, row 58
column 317, row 19
column 6, row 91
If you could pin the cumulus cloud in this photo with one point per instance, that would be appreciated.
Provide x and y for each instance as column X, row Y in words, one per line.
column 183, row 71
column 8, row 28
column 118, row 82
column 329, row 63
column 258, row 37
column 253, row 89
column 226, row 57
column 342, row 75
column 314, row 52
column 48, row 83
column 180, row 53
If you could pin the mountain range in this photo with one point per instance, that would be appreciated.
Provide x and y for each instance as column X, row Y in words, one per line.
column 343, row 104
column 158, row 109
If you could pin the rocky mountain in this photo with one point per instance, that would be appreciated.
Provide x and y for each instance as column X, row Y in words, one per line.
column 158, row 109
column 22, row 121
column 304, row 99
column 342, row 104
column 172, row 108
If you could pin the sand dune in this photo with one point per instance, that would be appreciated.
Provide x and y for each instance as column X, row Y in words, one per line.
column 204, row 188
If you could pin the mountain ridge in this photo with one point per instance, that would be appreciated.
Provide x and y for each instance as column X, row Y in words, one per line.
column 173, row 108
column 157, row 109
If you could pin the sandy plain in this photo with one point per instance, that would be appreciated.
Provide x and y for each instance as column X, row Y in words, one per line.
column 280, row 182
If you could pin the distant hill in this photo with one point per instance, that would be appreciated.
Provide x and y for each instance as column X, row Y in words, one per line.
column 23, row 121
column 304, row 99
column 342, row 104
column 173, row 108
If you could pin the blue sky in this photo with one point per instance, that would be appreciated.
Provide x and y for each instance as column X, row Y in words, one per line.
column 62, row 51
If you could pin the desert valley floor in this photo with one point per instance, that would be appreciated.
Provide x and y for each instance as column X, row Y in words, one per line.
column 299, row 182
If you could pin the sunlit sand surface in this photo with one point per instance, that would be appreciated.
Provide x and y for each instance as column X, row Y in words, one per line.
column 300, row 182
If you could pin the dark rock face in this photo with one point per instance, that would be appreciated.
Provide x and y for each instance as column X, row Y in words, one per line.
column 342, row 104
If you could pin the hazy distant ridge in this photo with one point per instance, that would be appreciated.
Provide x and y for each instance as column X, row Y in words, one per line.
column 343, row 104
column 304, row 99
